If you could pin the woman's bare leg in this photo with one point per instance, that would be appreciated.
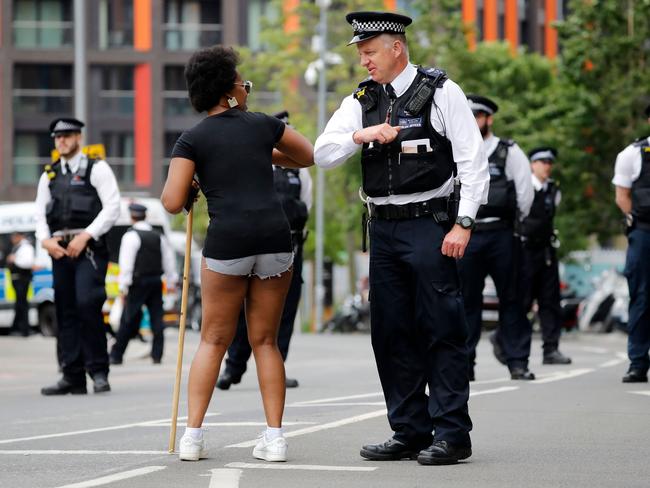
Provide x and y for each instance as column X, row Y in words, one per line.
column 222, row 297
column 264, row 305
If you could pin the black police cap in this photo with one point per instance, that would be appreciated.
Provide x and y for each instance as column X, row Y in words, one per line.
column 367, row 25
column 543, row 152
column 65, row 124
column 283, row 116
column 479, row 103
column 137, row 210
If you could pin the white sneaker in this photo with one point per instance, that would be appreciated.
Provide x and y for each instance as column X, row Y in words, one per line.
column 275, row 450
column 192, row 449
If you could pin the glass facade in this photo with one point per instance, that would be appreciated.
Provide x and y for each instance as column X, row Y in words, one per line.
column 175, row 100
column 42, row 89
column 42, row 24
column 31, row 151
column 190, row 24
column 116, row 90
column 115, row 20
column 120, row 154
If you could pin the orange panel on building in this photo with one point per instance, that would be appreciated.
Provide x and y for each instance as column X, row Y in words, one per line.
column 142, row 122
column 292, row 21
column 512, row 24
column 142, row 25
column 550, row 33
column 469, row 19
column 390, row 4
column 490, row 31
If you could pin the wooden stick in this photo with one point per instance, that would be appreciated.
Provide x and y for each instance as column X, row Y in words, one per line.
column 181, row 331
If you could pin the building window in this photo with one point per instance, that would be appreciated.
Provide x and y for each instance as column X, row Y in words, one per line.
column 116, row 89
column 42, row 23
column 42, row 89
column 120, row 154
column 31, row 151
column 175, row 99
column 115, row 23
column 258, row 11
column 170, row 140
column 190, row 24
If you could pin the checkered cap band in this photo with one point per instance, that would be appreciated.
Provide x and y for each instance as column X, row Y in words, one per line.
column 63, row 126
column 479, row 107
column 378, row 26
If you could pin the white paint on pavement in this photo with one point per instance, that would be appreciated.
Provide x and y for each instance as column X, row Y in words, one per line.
column 594, row 349
column 646, row 393
column 225, row 478
column 563, row 375
column 613, row 362
column 341, row 404
column 227, row 424
column 336, row 399
column 104, row 480
column 304, row 467
column 24, row 452
column 502, row 389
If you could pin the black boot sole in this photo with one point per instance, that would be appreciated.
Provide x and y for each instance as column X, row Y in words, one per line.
column 375, row 456
column 71, row 391
column 441, row 461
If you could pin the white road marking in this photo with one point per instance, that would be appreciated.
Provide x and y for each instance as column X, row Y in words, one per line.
column 563, row 375
column 305, row 467
column 229, row 424
column 335, row 399
column 91, row 431
column 225, row 478
column 594, row 349
column 342, row 404
column 503, row 389
column 24, row 452
column 613, row 362
column 646, row 393
column 104, row 480
column 505, row 379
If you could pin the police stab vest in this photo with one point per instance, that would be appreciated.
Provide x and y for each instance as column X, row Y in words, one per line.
column 538, row 227
column 641, row 187
column 386, row 170
column 287, row 184
column 148, row 261
column 75, row 202
column 502, row 198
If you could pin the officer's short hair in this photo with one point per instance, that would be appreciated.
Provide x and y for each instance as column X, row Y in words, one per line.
column 210, row 73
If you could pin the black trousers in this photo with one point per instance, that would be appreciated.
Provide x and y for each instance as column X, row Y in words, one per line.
column 79, row 294
column 240, row 350
column 21, row 307
column 637, row 271
column 147, row 292
column 541, row 281
column 419, row 332
column 496, row 253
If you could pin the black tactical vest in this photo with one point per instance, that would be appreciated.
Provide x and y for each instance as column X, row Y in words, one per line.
column 386, row 170
column 148, row 261
column 74, row 203
column 287, row 184
column 641, row 187
column 502, row 197
column 537, row 227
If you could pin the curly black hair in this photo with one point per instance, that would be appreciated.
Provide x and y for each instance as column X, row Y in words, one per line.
column 209, row 74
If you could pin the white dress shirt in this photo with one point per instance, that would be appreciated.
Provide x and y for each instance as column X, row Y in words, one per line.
column 538, row 185
column 517, row 170
column 306, row 187
column 452, row 118
column 628, row 166
column 102, row 178
column 24, row 255
column 129, row 248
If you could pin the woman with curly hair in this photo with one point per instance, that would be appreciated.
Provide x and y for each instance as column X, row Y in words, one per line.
column 247, row 256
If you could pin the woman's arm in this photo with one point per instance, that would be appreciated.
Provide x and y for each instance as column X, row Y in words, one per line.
column 294, row 150
column 177, row 186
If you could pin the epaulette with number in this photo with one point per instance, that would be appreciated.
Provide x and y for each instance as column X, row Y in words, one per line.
column 364, row 93
column 641, row 141
column 49, row 169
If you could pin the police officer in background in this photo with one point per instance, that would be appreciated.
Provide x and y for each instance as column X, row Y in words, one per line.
column 145, row 255
column 20, row 262
column 493, row 249
column 632, row 180
column 77, row 202
column 294, row 187
column 415, row 132
column 540, row 273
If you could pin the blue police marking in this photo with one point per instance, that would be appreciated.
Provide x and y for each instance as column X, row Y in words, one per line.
column 410, row 122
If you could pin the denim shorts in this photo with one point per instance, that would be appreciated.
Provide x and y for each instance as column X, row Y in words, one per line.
column 261, row 265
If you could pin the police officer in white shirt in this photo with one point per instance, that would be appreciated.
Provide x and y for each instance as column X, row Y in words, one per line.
column 77, row 202
column 20, row 263
column 540, row 274
column 145, row 255
column 632, row 180
column 415, row 132
column 493, row 250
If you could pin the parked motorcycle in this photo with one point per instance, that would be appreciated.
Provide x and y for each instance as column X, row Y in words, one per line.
column 606, row 307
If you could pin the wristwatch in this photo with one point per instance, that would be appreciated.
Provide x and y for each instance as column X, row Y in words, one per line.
column 465, row 222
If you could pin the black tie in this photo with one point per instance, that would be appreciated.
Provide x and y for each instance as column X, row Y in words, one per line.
column 66, row 167
column 390, row 91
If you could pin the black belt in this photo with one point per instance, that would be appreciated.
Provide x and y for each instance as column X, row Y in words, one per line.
column 641, row 225
column 495, row 225
column 436, row 207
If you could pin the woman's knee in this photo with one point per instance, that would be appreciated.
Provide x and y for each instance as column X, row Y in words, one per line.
column 262, row 340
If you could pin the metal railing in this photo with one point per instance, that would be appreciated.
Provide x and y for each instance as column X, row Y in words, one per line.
column 39, row 101
column 188, row 36
column 42, row 33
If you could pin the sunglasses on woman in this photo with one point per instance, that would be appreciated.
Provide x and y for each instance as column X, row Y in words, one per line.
column 248, row 85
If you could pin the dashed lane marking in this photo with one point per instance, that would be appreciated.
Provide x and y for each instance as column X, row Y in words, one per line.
column 646, row 393
column 104, row 480
column 563, row 375
column 341, row 404
column 225, row 478
column 24, row 452
column 225, row 424
column 305, row 467
column 613, row 362
column 335, row 399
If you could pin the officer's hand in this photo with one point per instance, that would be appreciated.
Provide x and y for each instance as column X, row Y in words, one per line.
column 78, row 244
column 11, row 258
column 455, row 242
column 53, row 248
column 382, row 133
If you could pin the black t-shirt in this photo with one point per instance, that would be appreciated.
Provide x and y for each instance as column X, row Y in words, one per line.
column 232, row 153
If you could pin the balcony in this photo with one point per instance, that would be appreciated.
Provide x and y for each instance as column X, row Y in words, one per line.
column 190, row 36
column 39, row 101
column 42, row 34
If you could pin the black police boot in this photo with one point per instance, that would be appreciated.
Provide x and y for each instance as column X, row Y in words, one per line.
column 226, row 379
column 441, row 452
column 521, row 373
column 101, row 383
column 497, row 350
column 65, row 386
column 391, row 450
column 291, row 383
column 115, row 361
column 555, row 357
column 635, row 376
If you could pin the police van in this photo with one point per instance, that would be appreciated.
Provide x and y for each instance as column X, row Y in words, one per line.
column 21, row 217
